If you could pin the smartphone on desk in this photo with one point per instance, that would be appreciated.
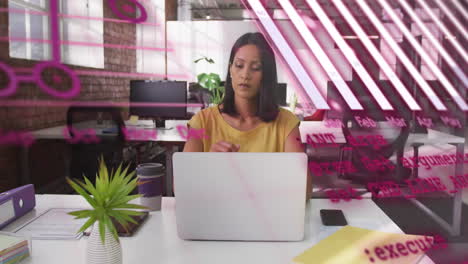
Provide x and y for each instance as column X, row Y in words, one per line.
column 131, row 227
column 333, row 217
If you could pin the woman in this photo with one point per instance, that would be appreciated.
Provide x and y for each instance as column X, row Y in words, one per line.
column 248, row 119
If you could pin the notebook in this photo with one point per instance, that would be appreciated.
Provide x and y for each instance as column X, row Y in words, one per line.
column 54, row 223
column 131, row 228
column 13, row 249
column 353, row 245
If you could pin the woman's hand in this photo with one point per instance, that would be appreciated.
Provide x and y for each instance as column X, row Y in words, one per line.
column 223, row 146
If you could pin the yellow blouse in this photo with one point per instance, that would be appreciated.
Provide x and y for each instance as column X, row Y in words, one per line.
column 266, row 137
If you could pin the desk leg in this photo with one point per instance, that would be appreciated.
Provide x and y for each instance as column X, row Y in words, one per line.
column 169, row 177
column 415, row 174
column 457, row 199
column 24, row 161
column 455, row 228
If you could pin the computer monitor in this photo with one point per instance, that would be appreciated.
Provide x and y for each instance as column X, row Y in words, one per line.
column 281, row 94
column 142, row 91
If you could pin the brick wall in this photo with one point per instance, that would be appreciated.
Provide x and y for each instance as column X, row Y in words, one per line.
column 45, row 161
column 171, row 10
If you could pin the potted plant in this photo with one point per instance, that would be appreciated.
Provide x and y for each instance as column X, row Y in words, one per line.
column 211, row 82
column 293, row 103
column 109, row 198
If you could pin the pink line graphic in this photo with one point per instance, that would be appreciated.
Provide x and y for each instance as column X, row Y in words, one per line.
column 350, row 55
column 404, row 59
column 32, row 12
column 288, row 54
column 30, row 103
column 460, row 8
column 430, row 63
column 129, row 74
column 400, row 87
column 55, row 30
column 110, row 74
column 435, row 43
column 128, row 8
column 441, row 25
column 323, row 58
column 80, row 43
column 39, row 69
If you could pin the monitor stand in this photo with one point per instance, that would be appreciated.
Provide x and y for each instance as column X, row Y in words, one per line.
column 161, row 124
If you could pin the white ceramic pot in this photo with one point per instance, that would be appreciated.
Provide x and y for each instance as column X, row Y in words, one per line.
column 98, row 253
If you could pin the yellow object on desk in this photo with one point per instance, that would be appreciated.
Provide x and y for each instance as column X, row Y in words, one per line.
column 353, row 245
column 133, row 120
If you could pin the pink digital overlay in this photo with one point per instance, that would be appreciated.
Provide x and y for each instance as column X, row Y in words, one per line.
column 267, row 25
column 388, row 189
column 126, row 13
column 404, row 248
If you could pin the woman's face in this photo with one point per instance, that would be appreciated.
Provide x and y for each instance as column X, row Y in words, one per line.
column 246, row 72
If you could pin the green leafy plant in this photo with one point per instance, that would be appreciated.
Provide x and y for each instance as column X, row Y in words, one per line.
column 293, row 103
column 211, row 82
column 108, row 197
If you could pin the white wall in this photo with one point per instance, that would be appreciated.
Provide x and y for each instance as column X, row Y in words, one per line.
column 153, row 36
column 194, row 39
column 80, row 30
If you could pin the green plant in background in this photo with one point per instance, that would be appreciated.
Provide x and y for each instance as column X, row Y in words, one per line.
column 293, row 103
column 211, row 82
column 108, row 198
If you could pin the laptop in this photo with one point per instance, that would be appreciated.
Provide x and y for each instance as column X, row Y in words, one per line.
column 240, row 196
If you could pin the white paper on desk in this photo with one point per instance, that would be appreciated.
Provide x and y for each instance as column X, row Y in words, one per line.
column 54, row 223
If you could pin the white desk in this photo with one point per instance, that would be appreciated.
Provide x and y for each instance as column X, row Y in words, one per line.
column 157, row 240
column 434, row 137
column 318, row 127
column 172, row 135
column 168, row 137
column 437, row 137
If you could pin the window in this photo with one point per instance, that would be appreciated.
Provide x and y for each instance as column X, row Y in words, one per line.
column 152, row 34
column 81, row 38
column 428, row 47
column 28, row 29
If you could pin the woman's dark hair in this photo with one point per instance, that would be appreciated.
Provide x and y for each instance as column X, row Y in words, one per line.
column 267, row 107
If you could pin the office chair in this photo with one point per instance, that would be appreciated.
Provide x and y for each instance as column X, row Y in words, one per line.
column 87, row 149
column 362, row 154
column 198, row 95
column 318, row 115
column 383, row 151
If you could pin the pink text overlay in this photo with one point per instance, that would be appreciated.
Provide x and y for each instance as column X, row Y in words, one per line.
column 75, row 136
column 90, row 135
column 379, row 164
column 430, row 161
column 188, row 133
column 316, row 140
column 24, row 139
column 397, row 250
column 325, row 167
column 386, row 189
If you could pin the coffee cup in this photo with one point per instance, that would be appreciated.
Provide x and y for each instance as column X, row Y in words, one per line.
column 150, row 177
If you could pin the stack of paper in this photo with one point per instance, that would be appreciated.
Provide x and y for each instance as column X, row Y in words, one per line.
column 13, row 249
column 54, row 223
column 353, row 245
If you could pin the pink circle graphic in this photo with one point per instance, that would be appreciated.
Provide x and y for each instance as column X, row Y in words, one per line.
column 76, row 86
column 57, row 79
column 128, row 8
column 143, row 15
column 11, row 87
